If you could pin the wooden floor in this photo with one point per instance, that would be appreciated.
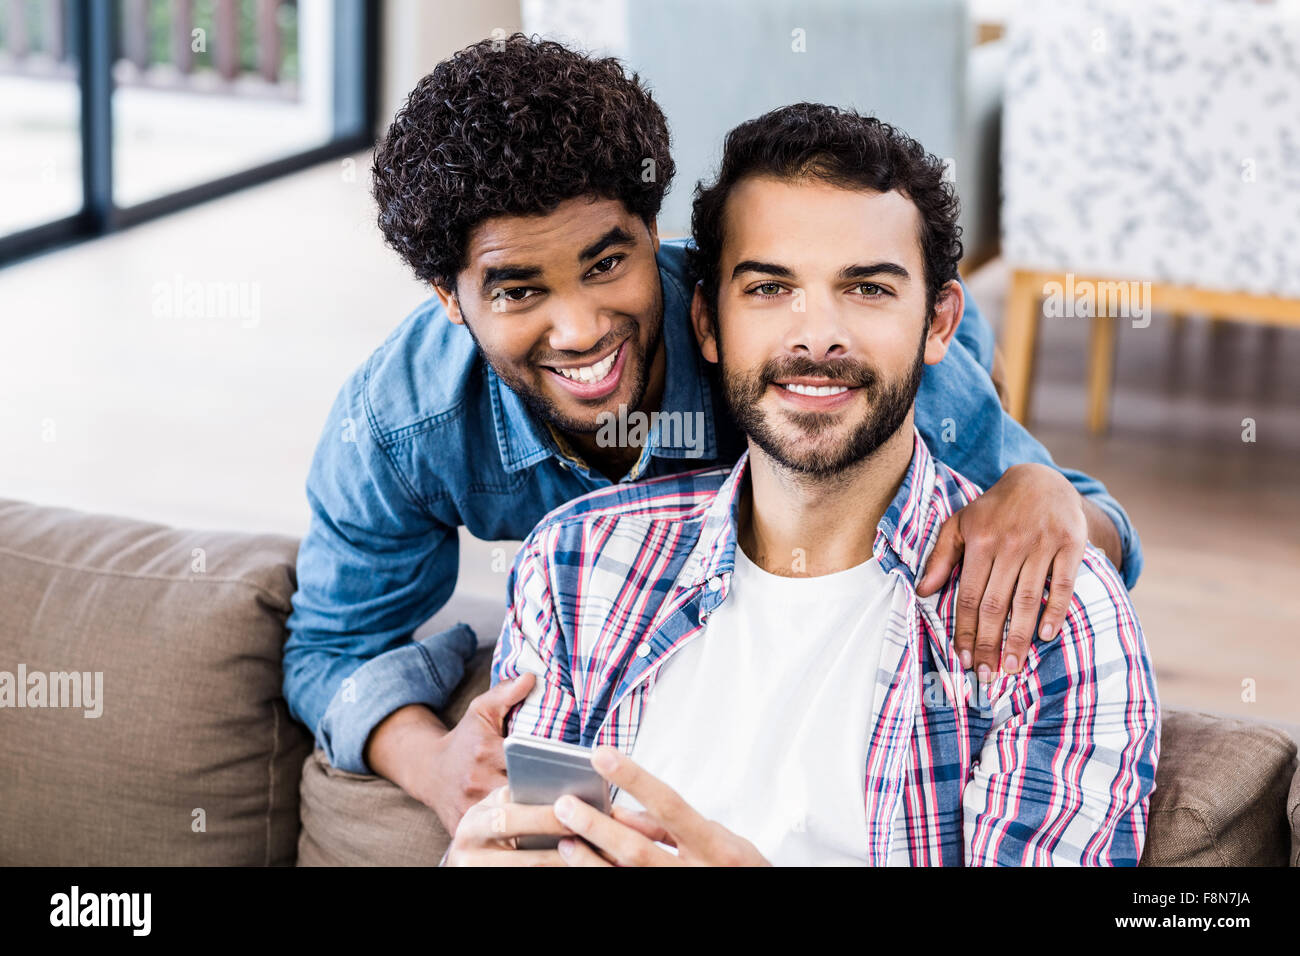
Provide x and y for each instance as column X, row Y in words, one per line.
column 1219, row 518
column 108, row 405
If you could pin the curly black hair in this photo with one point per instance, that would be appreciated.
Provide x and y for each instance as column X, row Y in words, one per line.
column 844, row 149
column 513, row 126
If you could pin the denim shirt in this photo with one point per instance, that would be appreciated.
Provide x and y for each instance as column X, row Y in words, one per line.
column 424, row 437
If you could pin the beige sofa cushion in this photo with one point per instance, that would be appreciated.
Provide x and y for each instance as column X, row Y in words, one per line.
column 354, row 820
column 194, row 759
column 1221, row 793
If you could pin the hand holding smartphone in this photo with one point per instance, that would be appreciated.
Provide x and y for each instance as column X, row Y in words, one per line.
column 540, row 771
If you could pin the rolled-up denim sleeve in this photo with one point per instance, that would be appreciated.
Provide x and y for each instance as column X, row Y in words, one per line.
column 964, row 424
column 422, row 672
column 373, row 566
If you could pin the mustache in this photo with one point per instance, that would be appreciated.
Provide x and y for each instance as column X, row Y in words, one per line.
column 847, row 371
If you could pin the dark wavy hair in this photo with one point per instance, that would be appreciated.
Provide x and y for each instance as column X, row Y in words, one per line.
column 513, row 127
column 844, row 149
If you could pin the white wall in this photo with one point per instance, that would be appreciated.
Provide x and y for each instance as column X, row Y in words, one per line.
column 416, row 34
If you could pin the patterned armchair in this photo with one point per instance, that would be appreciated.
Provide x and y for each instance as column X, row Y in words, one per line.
column 1150, row 162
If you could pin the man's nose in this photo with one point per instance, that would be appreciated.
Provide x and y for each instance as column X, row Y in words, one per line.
column 578, row 330
column 818, row 332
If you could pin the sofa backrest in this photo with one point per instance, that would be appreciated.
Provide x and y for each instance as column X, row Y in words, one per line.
column 1222, row 785
column 173, row 744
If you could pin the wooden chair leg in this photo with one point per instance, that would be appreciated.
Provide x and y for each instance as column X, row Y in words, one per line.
column 1101, row 371
column 1020, row 340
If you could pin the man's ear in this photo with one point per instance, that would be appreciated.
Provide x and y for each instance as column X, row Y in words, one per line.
column 703, row 326
column 653, row 226
column 449, row 303
column 948, row 308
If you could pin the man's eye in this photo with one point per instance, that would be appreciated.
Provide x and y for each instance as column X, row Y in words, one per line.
column 517, row 294
column 870, row 289
column 605, row 265
column 766, row 290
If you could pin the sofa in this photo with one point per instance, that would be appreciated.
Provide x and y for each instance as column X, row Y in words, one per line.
column 174, row 746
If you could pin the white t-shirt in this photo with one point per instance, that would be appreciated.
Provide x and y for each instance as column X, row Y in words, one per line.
column 761, row 721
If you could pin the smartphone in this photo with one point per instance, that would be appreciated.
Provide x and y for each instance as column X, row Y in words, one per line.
column 541, row 771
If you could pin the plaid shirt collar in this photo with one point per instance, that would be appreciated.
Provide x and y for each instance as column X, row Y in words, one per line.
column 901, row 538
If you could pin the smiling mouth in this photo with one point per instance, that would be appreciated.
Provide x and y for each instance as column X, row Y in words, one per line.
column 590, row 374
column 815, row 386
column 815, row 393
column 814, row 389
column 595, row 381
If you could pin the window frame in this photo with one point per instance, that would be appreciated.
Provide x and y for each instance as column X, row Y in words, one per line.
column 93, row 25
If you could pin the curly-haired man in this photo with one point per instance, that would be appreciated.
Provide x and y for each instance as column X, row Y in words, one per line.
column 522, row 180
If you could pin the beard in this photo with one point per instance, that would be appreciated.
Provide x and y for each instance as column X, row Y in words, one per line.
column 888, row 403
column 541, row 404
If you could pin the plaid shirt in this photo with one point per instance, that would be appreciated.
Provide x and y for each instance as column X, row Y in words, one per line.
column 1054, row 765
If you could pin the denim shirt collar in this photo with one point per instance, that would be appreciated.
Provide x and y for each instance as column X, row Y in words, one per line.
column 524, row 441
column 686, row 384
column 901, row 536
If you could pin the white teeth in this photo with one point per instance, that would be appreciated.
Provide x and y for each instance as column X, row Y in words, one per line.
column 592, row 373
column 816, row 389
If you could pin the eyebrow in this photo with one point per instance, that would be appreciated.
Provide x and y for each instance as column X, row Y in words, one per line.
column 862, row 271
column 767, row 268
column 615, row 236
column 875, row 269
column 497, row 274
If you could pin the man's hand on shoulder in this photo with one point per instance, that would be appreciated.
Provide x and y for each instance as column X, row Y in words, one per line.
column 448, row 771
column 1032, row 525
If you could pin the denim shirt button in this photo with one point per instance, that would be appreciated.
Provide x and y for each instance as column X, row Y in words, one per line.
column 643, row 650
column 715, row 583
